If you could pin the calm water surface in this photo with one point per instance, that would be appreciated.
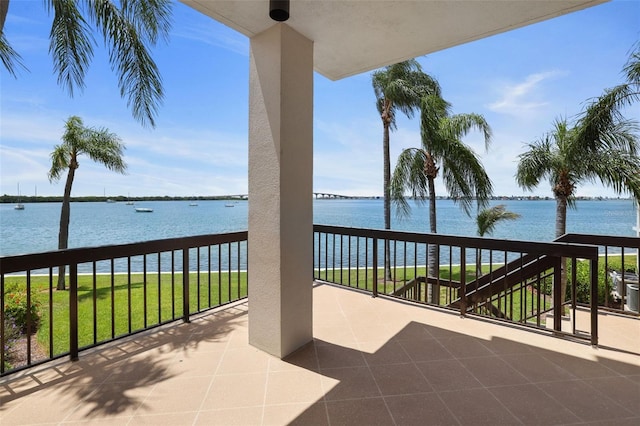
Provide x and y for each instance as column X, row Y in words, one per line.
column 35, row 229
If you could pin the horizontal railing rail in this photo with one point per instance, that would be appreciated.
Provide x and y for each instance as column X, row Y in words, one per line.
column 503, row 279
column 113, row 291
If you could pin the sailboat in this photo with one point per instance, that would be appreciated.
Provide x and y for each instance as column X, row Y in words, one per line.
column 19, row 206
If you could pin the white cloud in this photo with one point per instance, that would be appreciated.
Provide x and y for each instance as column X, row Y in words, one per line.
column 527, row 97
column 213, row 34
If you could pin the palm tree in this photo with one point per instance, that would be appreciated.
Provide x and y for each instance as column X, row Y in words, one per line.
column 398, row 87
column 100, row 146
column 568, row 156
column 605, row 110
column 442, row 150
column 487, row 220
column 129, row 30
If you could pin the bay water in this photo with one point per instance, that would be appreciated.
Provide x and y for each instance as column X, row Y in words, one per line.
column 35, row 229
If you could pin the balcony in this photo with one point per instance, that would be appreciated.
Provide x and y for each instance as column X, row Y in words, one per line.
column 372, row 361
column 396, row 358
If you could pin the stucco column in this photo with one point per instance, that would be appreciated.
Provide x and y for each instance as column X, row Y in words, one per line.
column 280, row 190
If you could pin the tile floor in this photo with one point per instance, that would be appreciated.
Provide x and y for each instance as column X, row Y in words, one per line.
column 372, row 362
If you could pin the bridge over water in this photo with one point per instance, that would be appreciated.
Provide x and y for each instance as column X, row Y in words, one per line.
column 317, row 195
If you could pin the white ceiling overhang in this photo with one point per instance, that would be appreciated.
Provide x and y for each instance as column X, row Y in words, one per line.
column 355, row 36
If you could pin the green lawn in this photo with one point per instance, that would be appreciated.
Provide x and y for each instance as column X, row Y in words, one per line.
column 137, row 304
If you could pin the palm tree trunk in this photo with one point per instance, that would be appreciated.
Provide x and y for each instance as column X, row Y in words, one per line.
column 561, row 229
column 433, row 267
column 4, row 9
column 63, row 234
column 387, row 199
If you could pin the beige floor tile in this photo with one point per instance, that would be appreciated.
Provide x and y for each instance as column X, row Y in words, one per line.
column 383, row 353
column 235, row 391
column 477, row 407
column 425, row 350
column 305, row 358
column 370, row 412
column 413, row 331
column 532, row 406
column 56, row 404
column 353, row 383
column 536, row 368
column 245, row 416
column 335, row 356
column 115, row 421
column 245, row 359
column 111, row 400
column 586, row 402
column 400, row 379
column 623, row 391
column 627, row 368
column 339, row 335
column 447, row 375
column 194, row 363
column 180, row 394
column 419, row 410
column 501, row 346
column 493, row 371
column 285, row 387
column 165, row 419
column 296, row 414
column 579, row 367
column 464, row 347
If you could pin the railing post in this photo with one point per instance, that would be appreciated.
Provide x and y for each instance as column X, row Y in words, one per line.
column 463, row 281
column 594, row 302
column 73, row 311
column 375, row 267
column 185, row 284
column 557, row 295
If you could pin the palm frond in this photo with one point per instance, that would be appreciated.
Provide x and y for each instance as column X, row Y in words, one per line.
column 465, row 177
column 106, row 148
column 535, row 164
column 152, row 18
column 617, row 170
column 138, row 76
column 459, row 125
column 488, row 218
column 59, row 162
column 409, row 177
column 71, row 44
column 11, row 59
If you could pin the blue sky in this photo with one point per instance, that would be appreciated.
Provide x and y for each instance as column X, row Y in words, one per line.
column 520, row 81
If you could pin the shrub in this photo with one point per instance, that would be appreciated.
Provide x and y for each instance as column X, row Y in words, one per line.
column 16, row 309
column 11, row 335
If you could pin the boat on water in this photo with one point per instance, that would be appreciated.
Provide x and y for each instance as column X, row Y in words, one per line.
column 229, row 205
column 129, row 203
column 144, row 210
column 193, row 204
column 19, row 206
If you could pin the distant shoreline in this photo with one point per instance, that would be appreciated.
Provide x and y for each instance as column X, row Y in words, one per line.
column 14, row 199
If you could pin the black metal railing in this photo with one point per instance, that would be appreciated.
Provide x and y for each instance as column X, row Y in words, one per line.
column 619, row 259
column 118, row 290
column 502, row 279
column 112, row 291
